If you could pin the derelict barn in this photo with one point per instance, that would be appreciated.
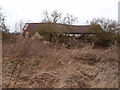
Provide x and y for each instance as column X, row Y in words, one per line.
column 67, row 29
column 77, row 32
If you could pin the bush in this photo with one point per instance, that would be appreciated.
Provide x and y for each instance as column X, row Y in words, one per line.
column 5, row 36
column 11, row 37
column 105, row 39
column 101, row 37
column 51, row 31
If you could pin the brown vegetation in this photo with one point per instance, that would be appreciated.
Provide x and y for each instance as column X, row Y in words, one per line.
column 31, row 63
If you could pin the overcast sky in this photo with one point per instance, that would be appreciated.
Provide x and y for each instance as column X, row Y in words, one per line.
column 32, row 10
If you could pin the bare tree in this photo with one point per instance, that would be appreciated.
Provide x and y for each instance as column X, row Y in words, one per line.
column 56, row 17
column 107, row 31
column 18, row 26
column 3, row 27
column 46, row 17
column 106, row 24
column 69, row 19
column 21, row 23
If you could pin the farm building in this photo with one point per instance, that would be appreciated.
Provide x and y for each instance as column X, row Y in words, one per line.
column 66, row 29
column 69, row 30
column 55, row 30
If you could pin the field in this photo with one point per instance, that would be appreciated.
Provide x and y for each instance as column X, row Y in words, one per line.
column 31, row 63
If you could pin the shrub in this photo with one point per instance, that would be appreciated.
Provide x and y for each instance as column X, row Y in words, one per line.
column 105, row 39
column 9, row 37
column 5, row 36
column 101, row 37
column 51, row 31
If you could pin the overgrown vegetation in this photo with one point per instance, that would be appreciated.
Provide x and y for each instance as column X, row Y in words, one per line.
column 105, row 30
column 33, row 63
column 48, row 65
column 52, row 32
column 56, row 65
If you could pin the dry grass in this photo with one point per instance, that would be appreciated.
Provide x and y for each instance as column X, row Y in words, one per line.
column 48, row 65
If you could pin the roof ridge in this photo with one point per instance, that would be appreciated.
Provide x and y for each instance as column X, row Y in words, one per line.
column 61, row 24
